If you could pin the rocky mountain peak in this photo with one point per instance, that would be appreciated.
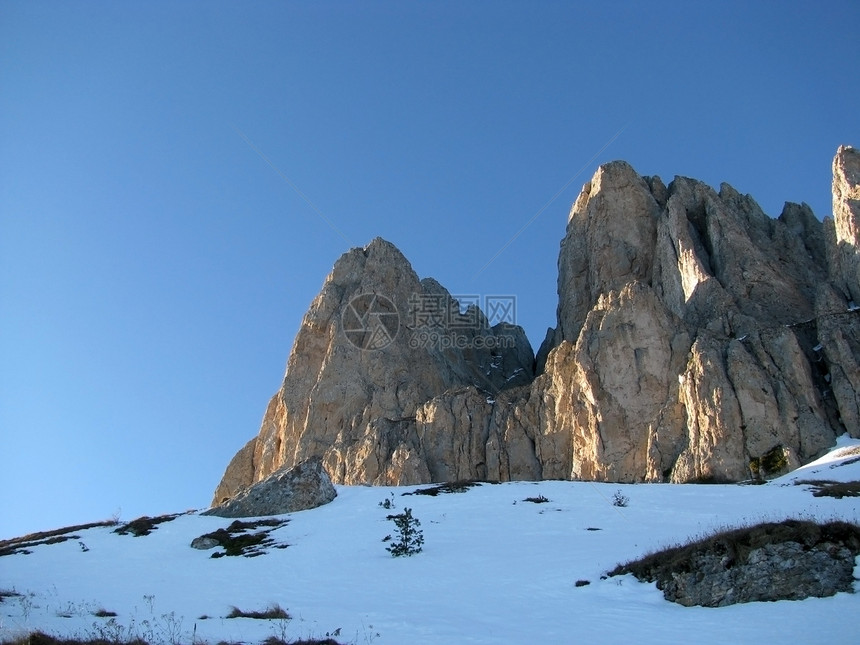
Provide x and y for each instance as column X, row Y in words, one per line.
column 696, row 339
column 376, row 345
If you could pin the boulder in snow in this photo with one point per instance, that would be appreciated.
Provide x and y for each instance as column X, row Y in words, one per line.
column 306, row 485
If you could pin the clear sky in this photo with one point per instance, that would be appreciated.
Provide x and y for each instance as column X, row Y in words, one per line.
column 154, row 267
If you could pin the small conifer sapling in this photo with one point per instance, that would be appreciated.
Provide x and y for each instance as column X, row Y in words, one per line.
column 410, row 539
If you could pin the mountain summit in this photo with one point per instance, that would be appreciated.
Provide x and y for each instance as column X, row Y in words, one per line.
column 374, row 351
column 697, row 339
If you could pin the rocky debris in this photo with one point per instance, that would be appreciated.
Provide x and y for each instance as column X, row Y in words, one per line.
column 242, row 538
column 22, row 545
column 144, row 525
column 204, row 543
column 774, row 572
column 792, row 560
column 306, row 485
column 697, row 339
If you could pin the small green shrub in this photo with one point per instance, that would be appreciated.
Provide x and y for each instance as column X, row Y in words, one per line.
column 771, row 463
column 774, row 460
column 410, row 539
column 620, row 499
column 755, row 467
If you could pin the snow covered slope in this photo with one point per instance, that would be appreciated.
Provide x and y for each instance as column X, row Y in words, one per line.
column 495, row 569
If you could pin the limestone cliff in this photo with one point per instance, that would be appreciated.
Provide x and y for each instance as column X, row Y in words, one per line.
column 697, row 339
column 374, row 350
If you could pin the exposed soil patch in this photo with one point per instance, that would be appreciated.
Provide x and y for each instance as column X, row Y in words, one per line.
column 449, row 487
column 827, row 488
column 22, row 545
column 144, row 525
column 540, row 499
column 237, row 539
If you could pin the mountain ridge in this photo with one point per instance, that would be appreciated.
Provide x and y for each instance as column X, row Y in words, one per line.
column 697, row 339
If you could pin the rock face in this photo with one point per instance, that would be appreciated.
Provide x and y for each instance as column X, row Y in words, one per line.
column 304, row 486
column 204, row 543
column 785, row 571
column 846, row 219
column 376, row 347
column 697, row 339
column 791, row 560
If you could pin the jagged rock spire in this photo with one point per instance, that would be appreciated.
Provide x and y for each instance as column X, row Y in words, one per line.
column 696, row 339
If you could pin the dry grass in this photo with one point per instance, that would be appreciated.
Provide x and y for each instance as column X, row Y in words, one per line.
column 274, row 640
column 145, row 525
column 827, row 488
column 735, row 546
column 449, row 487
column 540, row 499
column 40, row 638
column 24, row 543
column 235, row 539
column 273, row 612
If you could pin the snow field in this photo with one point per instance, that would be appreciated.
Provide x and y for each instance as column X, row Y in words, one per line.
column 495, row 570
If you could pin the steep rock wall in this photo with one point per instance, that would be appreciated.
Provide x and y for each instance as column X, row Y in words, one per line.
column 697, row 339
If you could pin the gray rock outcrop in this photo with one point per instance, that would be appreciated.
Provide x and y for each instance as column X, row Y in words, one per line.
column 697, row 339
column 204, row 543
column 786, row 571
column 791, row 560
column 287, row 490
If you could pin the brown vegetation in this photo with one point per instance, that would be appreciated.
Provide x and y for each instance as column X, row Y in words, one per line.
column 735, row 545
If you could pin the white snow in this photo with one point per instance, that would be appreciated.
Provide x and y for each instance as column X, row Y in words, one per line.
column 495, row 569
column 515, row 373
column 836, row 465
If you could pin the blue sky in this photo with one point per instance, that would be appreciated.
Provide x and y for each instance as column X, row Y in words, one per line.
column 154, row 268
